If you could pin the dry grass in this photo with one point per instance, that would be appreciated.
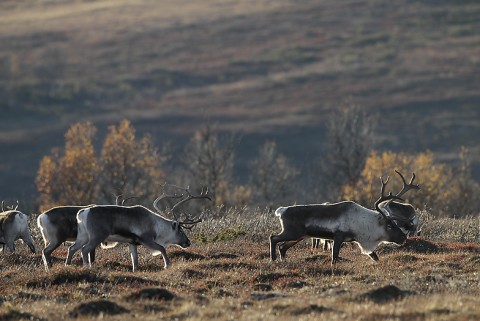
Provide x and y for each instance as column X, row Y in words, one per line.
column 233, row 279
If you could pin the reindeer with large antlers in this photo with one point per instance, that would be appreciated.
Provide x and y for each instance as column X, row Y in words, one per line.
column 134, row 225
column 391, row 221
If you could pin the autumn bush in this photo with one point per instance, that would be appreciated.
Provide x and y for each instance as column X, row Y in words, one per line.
column 444, row 190
column 79, row 175
column 125, row 164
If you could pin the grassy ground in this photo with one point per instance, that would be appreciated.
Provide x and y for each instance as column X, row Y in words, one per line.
column 233, row 279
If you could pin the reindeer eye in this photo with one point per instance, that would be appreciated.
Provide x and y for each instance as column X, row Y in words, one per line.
column 389, row 226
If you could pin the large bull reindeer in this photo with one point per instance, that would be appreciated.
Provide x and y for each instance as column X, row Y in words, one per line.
column 403, row 214
column 131, row 224
column 347, row 221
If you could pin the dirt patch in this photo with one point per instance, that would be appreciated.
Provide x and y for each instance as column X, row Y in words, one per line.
column 384, row 294
column 95, row 308
column 157, row 294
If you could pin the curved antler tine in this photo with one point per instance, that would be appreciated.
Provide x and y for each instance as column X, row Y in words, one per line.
column 413, row 177
column 16, row 206
column 163, row 196
column 205, row 194
column 406, row 187
column 189, row 223
column 401, row 176
column 128, row 198
column 117, row 197
column 3, row 208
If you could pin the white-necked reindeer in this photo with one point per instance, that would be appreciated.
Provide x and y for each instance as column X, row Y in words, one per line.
column 391, row 221
column 131, row 224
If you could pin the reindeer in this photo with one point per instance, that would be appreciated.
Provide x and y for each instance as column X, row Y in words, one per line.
column 14, row 226
column 391, row 221
column 134, row 225
column 59, row 225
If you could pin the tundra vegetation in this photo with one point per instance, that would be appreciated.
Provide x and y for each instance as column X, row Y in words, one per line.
column 227, row 274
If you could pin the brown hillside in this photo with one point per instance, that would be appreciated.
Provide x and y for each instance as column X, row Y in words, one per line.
column 267, row 69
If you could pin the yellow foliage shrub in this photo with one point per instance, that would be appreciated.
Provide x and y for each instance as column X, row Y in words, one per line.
column 440, row 187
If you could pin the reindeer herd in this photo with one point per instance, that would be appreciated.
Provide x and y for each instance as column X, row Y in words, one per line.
column 392, row 221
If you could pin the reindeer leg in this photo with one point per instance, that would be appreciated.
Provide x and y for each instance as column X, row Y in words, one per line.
column 151, row 244
column 282, row 238
column 273, row 247
column 285, row 246
column 337, row 244
column 373, row 256
column 134, row 256
column 47, row 254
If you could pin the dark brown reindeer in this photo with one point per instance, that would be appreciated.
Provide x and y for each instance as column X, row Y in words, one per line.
column 134, row 225
column 391, row 221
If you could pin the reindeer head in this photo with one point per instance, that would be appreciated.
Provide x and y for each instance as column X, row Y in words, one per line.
column 393, row 208
column 188, row 223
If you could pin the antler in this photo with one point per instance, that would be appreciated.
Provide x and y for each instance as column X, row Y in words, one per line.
column 9, row 207
column 406, row 187
column 203, row 194
column 382, row 196
column 163, row 196
column 117, row 198
column 189, row 220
